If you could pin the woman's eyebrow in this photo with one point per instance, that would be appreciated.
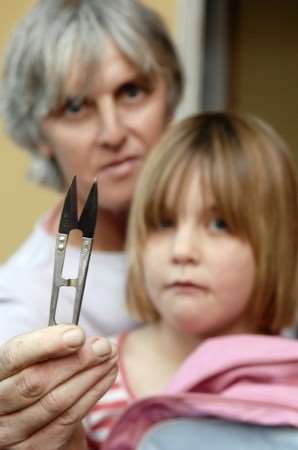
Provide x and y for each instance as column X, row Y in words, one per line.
column 138, row 78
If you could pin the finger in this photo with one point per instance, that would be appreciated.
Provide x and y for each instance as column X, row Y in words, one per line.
column 30, row 348
column 34, row 382
column 63, row 431
column 18, row 427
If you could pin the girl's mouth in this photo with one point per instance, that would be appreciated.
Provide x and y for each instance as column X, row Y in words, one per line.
column 189, row 287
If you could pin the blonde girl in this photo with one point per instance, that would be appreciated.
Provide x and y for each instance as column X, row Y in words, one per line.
column 213, row 258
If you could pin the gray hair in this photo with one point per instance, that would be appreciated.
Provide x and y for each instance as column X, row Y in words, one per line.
column 43, row 46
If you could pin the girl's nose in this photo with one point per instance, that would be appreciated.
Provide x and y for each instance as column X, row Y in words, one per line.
column 111, row 133
column 185, row 249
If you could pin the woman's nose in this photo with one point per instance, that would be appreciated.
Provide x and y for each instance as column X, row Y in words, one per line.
column 111, row 133
column 185, row 249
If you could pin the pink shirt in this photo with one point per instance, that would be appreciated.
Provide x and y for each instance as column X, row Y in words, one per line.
column 246, row 378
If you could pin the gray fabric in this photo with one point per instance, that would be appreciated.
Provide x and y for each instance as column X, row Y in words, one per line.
column 213, row 434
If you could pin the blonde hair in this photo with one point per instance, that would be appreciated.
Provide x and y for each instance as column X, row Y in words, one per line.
column 254, row 182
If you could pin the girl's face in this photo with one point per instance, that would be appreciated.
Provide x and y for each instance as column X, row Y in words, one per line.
column 107, row 133
column 198, row 275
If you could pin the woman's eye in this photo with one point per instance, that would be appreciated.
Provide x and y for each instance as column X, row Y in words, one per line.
column 131, row 91
column 73, row 105
column 77, row 107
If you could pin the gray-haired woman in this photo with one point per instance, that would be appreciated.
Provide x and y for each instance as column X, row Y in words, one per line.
column 88, row 88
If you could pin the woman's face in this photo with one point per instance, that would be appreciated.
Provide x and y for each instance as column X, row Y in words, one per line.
column 208, row 273
column 108, row 133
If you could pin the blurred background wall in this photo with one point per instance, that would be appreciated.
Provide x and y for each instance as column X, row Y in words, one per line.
column 238, row 54
column 250, row 61
column 264, row 63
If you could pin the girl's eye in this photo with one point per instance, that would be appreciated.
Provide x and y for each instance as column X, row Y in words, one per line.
column 218, row 224
column 166, row 222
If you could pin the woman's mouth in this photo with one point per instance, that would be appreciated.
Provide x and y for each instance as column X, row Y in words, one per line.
column 121, row 168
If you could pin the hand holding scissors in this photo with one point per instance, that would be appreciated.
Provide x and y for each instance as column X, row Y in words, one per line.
column 50, row 378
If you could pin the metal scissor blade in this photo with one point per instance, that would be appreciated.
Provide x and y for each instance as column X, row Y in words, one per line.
column 88, row 217
column 69, row 213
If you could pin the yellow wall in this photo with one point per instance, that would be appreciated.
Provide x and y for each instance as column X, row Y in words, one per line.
column 21, row 201
column 166, row 8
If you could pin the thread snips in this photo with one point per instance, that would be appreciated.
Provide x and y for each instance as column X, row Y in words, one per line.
column 68, row 222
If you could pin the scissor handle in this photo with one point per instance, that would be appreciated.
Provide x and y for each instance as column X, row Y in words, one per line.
column 81, row 280
column 77, row 283
column 58, row 281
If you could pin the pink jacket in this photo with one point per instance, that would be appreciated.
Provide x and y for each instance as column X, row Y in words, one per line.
column 246, row 378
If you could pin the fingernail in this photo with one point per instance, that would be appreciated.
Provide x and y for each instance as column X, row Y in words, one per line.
column 73, row 337
column 114, row 349
column 101, row 347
